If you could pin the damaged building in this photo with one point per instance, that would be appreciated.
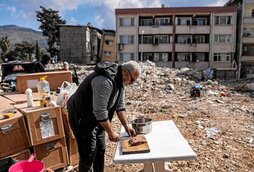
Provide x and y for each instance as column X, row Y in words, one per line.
column 198, row 38
column 245, row 36
column 79, row 44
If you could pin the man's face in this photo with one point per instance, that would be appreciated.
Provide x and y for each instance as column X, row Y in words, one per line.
column 128, row 77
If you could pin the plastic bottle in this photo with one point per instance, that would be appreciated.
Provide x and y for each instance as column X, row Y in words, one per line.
column 43, row 86
column 29, row 97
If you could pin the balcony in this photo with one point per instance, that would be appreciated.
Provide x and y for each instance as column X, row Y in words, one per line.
column 192, row 47
column 193, row 29
column 223, row 29
column 223, row 48
column 156, row 29
column 249, row 39
column 248, row 20
column 155, row 47
column 249, row 2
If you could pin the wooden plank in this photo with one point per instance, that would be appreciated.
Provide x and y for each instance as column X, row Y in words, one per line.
column 128, row 149
column 20, row 98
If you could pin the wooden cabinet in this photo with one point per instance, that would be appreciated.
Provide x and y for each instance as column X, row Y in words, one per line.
column 13, row 134
column 44, row 123
column 53, row 154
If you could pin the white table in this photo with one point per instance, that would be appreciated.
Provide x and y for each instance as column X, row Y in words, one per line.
column 166, row 144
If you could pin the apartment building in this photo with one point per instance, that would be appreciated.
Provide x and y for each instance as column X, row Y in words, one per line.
column 245, row 36
column 79, row 44
column 108, row 46
column 195, row 37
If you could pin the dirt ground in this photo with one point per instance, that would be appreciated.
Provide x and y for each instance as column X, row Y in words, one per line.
column 219, row 125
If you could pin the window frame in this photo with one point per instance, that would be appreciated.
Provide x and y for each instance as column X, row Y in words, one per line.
column 123, row 21
column 219, row 20
column 164, row 23
column 222, row 38
column 126, row 39
column 222, row 57
column 150, row 22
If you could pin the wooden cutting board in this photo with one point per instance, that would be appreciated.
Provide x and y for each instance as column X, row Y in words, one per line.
column 128, row 149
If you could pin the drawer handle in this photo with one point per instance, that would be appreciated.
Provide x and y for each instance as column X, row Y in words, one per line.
column 6, row 128
column 50, row 146
column 45, row 116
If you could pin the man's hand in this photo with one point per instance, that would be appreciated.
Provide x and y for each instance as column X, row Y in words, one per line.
column 130, row 131
column 113, row 136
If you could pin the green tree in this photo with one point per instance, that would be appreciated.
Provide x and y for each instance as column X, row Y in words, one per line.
column 5, row 46
column 37, row 52
column 50, row 21
column 25, row 50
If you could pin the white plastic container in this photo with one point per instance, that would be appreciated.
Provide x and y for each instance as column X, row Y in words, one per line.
column 29, row 97
column 43, row 87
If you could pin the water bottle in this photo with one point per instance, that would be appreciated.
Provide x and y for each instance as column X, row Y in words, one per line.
column 29, row 97
column 43, row 87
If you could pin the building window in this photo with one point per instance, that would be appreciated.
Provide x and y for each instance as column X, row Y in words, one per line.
column 184, row 21
column 126, row 39
column 108, row 42
column 160, row 57
column 126, row 57
column 200, row 21
column 222, row 20
column 199, row 39
column 147, row 56
column 146, row 22
column 222, row 38
column 184, row 39
column 223, row 57
column 184, row 57
column 146, row 39
column 248, row 50
column 161, row 21
column 252, row 13
column 248, row 32
column 107, row 53
column 161, row 39
column 198, row 57
column 126, row 21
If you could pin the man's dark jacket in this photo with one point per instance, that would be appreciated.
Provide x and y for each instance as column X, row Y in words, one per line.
column 81, row 102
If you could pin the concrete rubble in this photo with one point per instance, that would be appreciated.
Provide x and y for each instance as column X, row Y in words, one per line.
column 219, row 125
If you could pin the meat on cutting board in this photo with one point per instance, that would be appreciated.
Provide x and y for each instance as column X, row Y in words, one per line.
column 137, row 140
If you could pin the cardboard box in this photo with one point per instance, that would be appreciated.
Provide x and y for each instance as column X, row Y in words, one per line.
column 53, row 154
column 13, row 134
column 20, row 156
column 55, row 80
column 73, row 154
column 45, row 124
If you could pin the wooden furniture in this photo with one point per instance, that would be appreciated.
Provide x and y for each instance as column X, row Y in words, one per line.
column 13, row 133
column 55, row 80
column 44, row 123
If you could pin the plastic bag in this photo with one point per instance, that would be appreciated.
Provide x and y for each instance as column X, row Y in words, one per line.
column 66, row 90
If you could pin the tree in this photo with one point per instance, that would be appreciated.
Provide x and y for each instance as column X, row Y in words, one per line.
column 25, row 50
column 5, row 46
column 37, row 52
column 50, row 21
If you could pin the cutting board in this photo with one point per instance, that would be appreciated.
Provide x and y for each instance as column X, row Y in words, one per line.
column 128, row 149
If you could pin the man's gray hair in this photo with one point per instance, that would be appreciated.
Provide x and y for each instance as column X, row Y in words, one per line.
column 132, row 66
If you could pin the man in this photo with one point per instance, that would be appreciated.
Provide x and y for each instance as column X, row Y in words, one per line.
column 40, row 66
column 91, row 110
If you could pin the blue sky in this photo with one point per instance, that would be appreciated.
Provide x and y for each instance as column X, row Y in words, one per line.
column 100, row 13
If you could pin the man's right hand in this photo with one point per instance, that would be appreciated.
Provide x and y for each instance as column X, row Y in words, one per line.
column 113, row 136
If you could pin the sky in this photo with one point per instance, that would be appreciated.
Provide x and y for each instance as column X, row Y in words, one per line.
column 100, row 13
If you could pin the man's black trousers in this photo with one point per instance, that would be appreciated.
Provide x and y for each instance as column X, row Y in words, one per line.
column 91, row 144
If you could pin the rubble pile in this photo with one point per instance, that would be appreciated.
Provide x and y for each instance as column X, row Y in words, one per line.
column 219, row 125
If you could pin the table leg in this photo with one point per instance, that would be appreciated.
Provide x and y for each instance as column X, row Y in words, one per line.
column 154, row 167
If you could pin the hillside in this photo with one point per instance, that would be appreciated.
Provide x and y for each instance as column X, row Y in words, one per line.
column 17, row 34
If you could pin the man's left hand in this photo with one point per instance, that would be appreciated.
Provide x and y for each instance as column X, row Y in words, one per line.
column 130, row 131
